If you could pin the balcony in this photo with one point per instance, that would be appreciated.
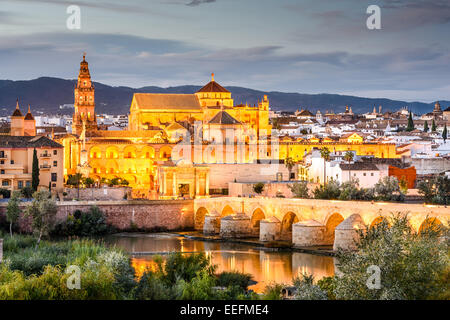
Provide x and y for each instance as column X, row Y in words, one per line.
column 45, row 167
column 45, row 155
column 3, row 156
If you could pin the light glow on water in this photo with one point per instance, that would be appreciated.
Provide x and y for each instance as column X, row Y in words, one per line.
column 266, row 267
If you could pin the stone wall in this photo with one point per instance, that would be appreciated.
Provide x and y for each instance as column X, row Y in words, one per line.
column 431, row 165
column 104, row 193
column 143, row 214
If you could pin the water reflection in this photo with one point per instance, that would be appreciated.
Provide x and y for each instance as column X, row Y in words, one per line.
column 266, row 267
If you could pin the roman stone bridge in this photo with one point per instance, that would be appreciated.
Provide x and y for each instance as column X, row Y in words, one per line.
column 305, row 222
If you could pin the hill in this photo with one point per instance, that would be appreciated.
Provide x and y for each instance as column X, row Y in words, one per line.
column 46, row 94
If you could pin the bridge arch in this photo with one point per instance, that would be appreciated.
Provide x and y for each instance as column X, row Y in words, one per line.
column 430, row 224
column 286, row 225
column 377, row 221
column 257, row 216
column 200, row 218
column 226, row 211
column 330, row 226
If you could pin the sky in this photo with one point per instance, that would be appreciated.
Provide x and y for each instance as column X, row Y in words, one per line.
column 305, row 46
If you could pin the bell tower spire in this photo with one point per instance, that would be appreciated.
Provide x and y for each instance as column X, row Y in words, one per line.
column 84, row 106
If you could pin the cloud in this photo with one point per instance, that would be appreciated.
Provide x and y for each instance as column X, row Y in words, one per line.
column 133, row 61
column 194, row 3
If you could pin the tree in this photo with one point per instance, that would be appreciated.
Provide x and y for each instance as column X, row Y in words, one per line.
column 436, row 190
column 411, row 265
column 258, row 187
column 42, row 211
column 444, row 133
column 300, row 190
column 349, row 158
column 75, row 180
column 325, row 154
column 433, row 126
column 289, row 163
column 388, row 189
column 89, row 182
column 410, row 126
column 35, row 171
column 425, row 127
column 13, row 210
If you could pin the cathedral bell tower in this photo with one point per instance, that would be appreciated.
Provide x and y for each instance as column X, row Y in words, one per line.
column 84, row 101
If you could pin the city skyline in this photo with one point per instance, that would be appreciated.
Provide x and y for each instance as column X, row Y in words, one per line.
column 286, row 46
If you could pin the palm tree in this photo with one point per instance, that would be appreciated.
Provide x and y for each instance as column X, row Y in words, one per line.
column 325, row 154
column 349, row 158
column 289, row 163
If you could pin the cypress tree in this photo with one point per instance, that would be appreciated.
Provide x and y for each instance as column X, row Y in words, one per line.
column 425, row 127
column 433, row 126
column 35, row 171
column 444, row 133
column 410, row 126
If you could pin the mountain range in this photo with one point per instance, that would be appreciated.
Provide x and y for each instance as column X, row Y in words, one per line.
column 46, row 94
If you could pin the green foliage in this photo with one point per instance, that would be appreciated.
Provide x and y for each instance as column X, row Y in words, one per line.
column 272, row 291
column 410, row 126
column 90, row 223
column 300, row 190
column 436, row 190
column 5, row 193
column 351, row 191
column 230, row 279
column 328, row 285
column 74, row 179
column 331, row 190
column 444, row 133
column 433, row 126
column 425, row 127
column 307, row 290
column 42, row 212
column 27, row 192
column 88, row 182
column 412, row 265
column 35, row 172
column 289, row 163
column 13, row 210
column 388, row 189
column 185, row 267
column 258, row 187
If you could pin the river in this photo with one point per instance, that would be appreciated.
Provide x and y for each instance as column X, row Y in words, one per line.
column 266, row 267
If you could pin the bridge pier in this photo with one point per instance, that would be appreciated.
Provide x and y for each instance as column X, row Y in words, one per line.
column 346, row 233
column 235, row 226
column 269, row 229
column 308, row 233
column 211, row 225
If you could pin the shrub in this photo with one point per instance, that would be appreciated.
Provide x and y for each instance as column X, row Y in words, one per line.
column 388, row 189
column 27, row 192
column 5, row 193
column 412, row 265
column 90, row 223
column 230, row 279
column 300, row 190
column 331, row 190
column 436, row 190
column 307, row 290
column 272, row 291
column 258, row 187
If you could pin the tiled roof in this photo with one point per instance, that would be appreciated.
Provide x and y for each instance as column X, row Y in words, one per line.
column 359, row 166
column 163, row 101
column 27, row 142
column 213, row 86
column 223, row 118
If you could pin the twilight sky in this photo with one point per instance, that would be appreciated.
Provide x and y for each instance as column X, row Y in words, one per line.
column 306, row 46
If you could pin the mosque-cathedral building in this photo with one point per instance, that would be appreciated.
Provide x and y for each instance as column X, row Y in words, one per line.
column 173, row 145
